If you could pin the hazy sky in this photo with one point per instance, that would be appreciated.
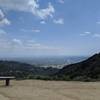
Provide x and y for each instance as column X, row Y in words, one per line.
column 49, row 27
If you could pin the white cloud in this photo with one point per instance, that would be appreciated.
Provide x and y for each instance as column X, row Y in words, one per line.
column 2, row 32
column 98, row 22
column 85, row 34
column 35, row 30
column 59, row 21
column 61, row 1
column 89, row 34
column 96, row 35
column 17, row 41
column 3, row 19
column 42, row 22
column 28, row 6
column 44, row 13
column 1, row 14
column 25, row 47
column 21, row 5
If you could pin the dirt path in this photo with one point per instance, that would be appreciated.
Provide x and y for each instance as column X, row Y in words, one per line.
column 50, row 90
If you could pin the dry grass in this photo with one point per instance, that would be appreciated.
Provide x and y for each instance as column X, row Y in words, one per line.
column 50, row 90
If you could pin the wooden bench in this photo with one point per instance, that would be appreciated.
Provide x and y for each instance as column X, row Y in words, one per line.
column 7, row 79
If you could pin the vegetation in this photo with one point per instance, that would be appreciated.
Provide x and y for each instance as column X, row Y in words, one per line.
column 88, row 70
column 25, row 71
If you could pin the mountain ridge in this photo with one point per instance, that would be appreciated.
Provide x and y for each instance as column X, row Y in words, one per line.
column 86, row 70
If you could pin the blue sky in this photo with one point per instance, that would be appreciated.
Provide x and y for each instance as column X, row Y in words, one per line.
column 49, row 27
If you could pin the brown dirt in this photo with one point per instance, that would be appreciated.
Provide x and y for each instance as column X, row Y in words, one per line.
column 50, row 90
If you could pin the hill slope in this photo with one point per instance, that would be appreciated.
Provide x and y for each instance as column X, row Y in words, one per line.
column 87, row 70
column 23, row 70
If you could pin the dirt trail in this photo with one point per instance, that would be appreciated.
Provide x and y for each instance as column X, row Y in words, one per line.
column 50, row 90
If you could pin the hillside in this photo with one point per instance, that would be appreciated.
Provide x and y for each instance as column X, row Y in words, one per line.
column 88, row 70
column 23, row 70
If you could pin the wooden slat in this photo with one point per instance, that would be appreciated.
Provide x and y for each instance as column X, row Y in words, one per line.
column 4, row 77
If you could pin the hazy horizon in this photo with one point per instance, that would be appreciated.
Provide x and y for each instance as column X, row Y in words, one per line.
column 47, row 61
column 43, row 56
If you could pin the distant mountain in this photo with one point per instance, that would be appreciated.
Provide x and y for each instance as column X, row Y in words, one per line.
column 88, row 70
column 23, row 70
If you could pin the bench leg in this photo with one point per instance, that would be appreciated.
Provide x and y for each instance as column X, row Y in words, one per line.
column 7, row 82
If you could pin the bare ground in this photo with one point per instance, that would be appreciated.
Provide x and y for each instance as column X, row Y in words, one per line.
column 50, row 90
